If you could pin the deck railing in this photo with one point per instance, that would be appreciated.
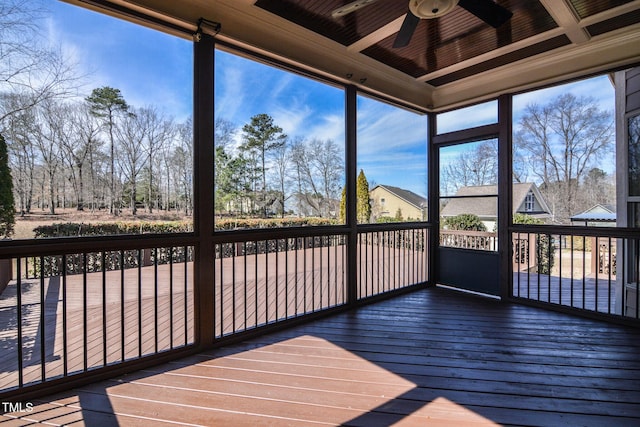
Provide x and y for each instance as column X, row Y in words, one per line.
column 72, row 310
column 77, row 312
column 80, row 309
column 587, row 269
column 260, row 282
column 389, row 260
column 266, row 281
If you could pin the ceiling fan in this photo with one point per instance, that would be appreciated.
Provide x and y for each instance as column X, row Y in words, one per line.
column 488, row 11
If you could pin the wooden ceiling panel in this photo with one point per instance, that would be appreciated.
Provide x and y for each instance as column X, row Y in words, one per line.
column 615, row 23
column 502, row 60
column 315, row 15
column 586, row 8
column 436, row 44
column 459, row 36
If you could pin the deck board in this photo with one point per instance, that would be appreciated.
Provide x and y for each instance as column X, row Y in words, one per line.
column 431, row 357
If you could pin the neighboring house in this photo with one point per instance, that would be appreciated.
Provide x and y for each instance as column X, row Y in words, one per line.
column 600, row 215
column 387, row 201
column 526, row 200
column 309, row 205
column 603, row 251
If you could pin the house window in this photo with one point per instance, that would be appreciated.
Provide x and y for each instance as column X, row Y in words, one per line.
column 382, row 201
column 529, row 202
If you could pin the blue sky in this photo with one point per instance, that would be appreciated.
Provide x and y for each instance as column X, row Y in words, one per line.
column 149, row 67
column 152, row 68
column 300, row 106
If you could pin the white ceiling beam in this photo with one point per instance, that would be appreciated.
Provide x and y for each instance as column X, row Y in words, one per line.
column 380, row 34
column 538, row 38
column 567, row 19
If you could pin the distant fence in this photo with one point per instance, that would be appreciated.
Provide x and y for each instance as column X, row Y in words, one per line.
column 468, row 239
column 525, row 248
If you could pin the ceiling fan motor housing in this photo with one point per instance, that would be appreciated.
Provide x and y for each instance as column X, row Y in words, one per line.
column 429, row 9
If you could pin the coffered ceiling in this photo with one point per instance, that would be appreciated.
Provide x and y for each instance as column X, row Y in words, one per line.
column 449, row 61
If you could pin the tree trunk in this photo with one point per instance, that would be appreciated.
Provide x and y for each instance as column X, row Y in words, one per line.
column 80, row 206
column 52, row 194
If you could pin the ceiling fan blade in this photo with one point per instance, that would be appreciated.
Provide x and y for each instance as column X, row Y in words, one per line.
column 406, row 30
column 351, row 7
column 490, row 12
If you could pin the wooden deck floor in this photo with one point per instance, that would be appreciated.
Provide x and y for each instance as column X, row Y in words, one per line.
column 432, row 357
column 125, row 314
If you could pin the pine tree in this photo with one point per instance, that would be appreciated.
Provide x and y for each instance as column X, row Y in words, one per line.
column 261, row 137
column 7, row 207
column 106, row 103
column 363, row 204
column 343, row 206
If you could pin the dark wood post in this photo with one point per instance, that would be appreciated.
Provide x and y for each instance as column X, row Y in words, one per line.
column 433, row 197
column 351, row 125
column 505, row 194
column 203, row 140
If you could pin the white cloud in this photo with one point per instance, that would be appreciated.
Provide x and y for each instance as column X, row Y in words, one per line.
column 292, row 118
column 280, row 87
column 385, row 128
column 229, row 93
column 599, row 88
column 329, row 127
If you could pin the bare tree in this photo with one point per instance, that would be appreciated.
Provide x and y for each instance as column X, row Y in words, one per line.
column 597, row 187
column 302, row 172
column 47, row 137
column 224, row 132
column 18, row 130
column 160, row 131
column 562, row 141
column 280, row 160
column 477, row 166
column 131, row 134
column 181, row 163
column 80, row 143
column 317, row 169
column 28, row 65
column 328, row 167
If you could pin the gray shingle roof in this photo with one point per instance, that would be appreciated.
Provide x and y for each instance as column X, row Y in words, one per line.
column 487, row 207
column 408, row 196
column 598, row 213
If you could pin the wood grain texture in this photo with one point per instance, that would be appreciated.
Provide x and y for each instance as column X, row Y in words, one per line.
column 431, row 357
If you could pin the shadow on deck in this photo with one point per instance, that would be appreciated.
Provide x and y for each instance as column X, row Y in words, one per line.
column 432, row 357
